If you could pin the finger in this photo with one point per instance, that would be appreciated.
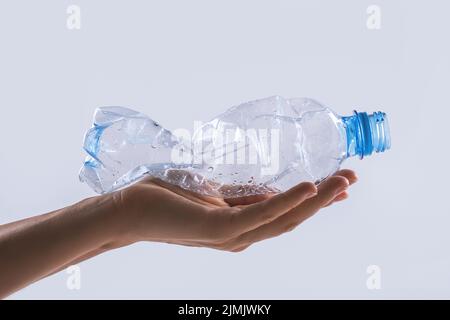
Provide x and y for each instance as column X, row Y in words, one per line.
column 268, row 210
column 340, row 197
column 242, row 201
column 350, row 175
column 241, row 248
column 328, row 190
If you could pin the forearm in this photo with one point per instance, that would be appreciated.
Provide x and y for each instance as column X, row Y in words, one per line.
column 33, row 248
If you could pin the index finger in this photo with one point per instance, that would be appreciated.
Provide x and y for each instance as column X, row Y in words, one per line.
column 263, row 212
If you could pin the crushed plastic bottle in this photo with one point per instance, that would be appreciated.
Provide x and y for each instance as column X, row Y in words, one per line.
column 265, row 145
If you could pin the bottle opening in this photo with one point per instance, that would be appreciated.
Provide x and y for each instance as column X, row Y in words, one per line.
column 367, row 133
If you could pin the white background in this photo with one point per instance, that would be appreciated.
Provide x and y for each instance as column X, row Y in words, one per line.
column 180, row 61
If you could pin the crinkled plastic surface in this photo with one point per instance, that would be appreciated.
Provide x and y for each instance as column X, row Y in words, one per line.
column 267, row 145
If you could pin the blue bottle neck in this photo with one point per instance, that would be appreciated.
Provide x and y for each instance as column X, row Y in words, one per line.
column 366, row 133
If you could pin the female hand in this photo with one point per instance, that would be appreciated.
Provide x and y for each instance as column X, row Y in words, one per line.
column 153, row 210
column 159, row 211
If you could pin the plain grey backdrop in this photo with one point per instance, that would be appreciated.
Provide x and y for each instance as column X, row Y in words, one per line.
column 180, row 61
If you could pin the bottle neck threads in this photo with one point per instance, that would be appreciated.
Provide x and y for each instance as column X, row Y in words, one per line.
column 366, row 133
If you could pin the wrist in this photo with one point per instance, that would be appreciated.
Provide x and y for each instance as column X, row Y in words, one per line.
column 107, row 213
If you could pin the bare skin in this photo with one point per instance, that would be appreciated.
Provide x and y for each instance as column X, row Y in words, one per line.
column 153, row 210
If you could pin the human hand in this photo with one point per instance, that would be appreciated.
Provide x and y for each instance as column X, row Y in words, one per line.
column 155, row 210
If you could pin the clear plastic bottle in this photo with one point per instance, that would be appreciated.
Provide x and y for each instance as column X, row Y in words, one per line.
column 265, row 145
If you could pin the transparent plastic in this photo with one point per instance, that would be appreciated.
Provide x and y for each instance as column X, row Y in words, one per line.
column 265, row 145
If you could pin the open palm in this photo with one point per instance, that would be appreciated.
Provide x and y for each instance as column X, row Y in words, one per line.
column 163, row 212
